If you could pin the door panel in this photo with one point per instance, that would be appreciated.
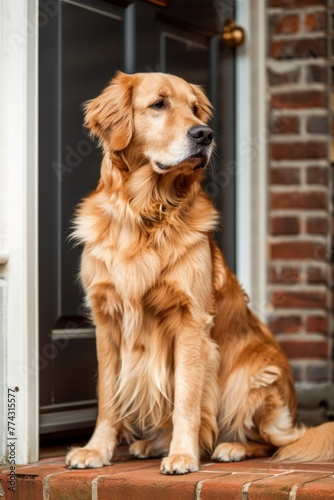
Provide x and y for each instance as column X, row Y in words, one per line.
column 176, row 50
column 80, row 50
column 88, row 61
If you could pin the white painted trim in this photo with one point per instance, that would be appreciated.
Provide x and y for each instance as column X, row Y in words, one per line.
column 19, row 216
column 251, row 154
column 3, row 374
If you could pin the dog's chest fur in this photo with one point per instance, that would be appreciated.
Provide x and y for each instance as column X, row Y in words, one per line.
column 132, row 257
column 133, row 272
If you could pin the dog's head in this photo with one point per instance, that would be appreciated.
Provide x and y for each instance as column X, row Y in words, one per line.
column 153, row 117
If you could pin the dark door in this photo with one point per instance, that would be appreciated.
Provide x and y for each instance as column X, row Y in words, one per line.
column 82, row 44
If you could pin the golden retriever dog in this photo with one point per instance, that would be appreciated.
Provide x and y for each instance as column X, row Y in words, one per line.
column 185, row 368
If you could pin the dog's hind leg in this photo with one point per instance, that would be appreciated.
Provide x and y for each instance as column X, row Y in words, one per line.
column 154, row 447
column 234, row 452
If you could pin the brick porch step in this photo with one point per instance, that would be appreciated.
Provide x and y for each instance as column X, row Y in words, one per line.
column 131, row 479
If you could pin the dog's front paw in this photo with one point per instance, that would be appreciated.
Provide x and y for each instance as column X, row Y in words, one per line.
column 87, row 458
column 229, row 452
column 179, row 464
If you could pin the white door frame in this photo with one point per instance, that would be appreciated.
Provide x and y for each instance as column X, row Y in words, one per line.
column 19, row 196
column 251, row 154
column 18, row 221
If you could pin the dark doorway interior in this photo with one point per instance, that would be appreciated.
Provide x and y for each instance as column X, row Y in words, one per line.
column 82, row 44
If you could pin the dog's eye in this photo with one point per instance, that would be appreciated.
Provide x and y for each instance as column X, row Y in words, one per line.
column 158, row 104
column 195, row 109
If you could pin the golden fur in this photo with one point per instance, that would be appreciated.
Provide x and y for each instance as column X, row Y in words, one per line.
column 184, row 366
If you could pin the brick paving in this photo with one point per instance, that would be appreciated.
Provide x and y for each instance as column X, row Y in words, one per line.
column 131, row 479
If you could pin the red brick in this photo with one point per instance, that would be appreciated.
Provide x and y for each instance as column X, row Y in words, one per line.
column 297, row 370
column 44, row 467
column 316, row 21
column 278, row 487
column 284, row 24
column 283, row 77
column 299, row 49
column 254, row 465
column 317, row 372
column 318, row 324
column 317, row 225
column 74, row 484
column 310, row 150
column 317, row 275
column 286, row 275
column 317, row 125
column 285, row 324
column 285, row 175
column 298, row 250
column 29, row 481
column 302, row 299
column 309, row 200
column 25, row 488
column 77, row 484
column 233, row 483
column 266, row 466
column 150, row 485
column 305, row 349
column 299, row 99
column 284, row 225
column 320, row 489
column 316, row 73
column 317, row 175
column 282, row 124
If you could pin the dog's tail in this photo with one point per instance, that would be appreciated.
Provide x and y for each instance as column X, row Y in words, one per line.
column 317, row 443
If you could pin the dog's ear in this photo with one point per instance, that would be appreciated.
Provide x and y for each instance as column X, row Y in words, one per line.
column 109, row 117
column 204, row 112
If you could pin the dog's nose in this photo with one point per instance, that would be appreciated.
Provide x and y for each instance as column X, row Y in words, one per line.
column 202, row 134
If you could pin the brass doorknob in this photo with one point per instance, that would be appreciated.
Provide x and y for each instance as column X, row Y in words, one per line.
column 233, row 35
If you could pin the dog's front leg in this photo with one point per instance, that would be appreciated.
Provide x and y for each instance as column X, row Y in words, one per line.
column 100, row 448
column 190, row 348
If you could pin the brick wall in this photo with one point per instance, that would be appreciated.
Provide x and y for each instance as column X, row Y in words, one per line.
column 299, row 275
